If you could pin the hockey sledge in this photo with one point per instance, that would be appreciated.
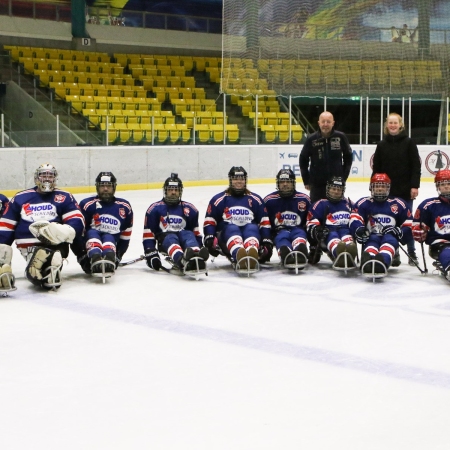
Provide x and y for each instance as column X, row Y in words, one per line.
column 52, row 280
column 101, row 271
column 373, row 269
column 440, row 270
column 191, row 273
column 7, row 283
column 344, row 262
column 246, row 263
column 295, row 261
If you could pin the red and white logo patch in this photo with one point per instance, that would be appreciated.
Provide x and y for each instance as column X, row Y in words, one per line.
column 122, row 213
column 59, row 198
column 394, row 209
column 186, row 212
column 301, row 206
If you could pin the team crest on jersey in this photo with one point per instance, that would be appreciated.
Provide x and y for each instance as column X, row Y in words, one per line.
column 394, row 209
column 59, row 198
column 417, row 214
column 301, row 206
column 96, row 219
column 186, row 211
column 250, row 202
column 122, row 213
column 209, row 209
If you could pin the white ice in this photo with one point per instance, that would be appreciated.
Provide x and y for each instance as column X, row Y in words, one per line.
column 277, row 361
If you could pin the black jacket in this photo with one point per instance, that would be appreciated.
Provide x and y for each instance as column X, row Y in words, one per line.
column 398, row 157
column 322, row 158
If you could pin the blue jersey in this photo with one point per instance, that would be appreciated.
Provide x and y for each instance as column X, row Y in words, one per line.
column 435, row 214
column 224, row 209
column 377, row 215
column 287, row 212
column 162, row 218
column 3, row 203
column 115, row 218
column 31, row 206
column 333, row 215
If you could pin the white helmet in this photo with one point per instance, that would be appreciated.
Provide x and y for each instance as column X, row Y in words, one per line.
column 45, row 177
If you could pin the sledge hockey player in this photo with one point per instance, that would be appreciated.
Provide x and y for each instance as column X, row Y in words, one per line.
column 236, row 221
column 287, row 210
column 329, row 226
column 43, row 221
column 378, row 223
column 431, row 223
column 109, row 223
column 171, row 226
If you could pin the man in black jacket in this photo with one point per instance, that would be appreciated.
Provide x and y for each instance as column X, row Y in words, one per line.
column 326, row 154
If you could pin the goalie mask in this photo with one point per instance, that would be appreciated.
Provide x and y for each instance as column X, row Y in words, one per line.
column 237, row 177
column 106, row 184
column 335, row 189
column 45, row 178
column 380, row 185
column 442, row 183
column 286, row 182
column 173, row 190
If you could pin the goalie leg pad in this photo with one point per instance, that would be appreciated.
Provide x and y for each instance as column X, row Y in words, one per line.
column 7, row 280
column 34, row 271
column 52, row 278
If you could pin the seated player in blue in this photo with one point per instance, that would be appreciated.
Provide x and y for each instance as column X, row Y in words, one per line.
column 237, row 218
column 378, row 223
column 171, row 225
column 42, row 221
column 431, row 223
column 329, row 226
column 109, row 223
column 287, row 210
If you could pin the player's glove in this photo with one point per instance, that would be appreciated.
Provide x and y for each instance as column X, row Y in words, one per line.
column 210, row 243
column 362, row 235
column 394, row 231
column 152, row 259
column 420, row 232
column 320, row 232
column 265, row 250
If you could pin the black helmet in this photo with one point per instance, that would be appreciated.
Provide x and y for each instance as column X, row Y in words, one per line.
column 237, row 172
column 335, row 182
column 106, row 179
column 286, row 175
column 172, row 182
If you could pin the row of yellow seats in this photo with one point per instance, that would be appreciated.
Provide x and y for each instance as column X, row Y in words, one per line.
column 203, row 117
column 269, row 118
column 112, row 119
column 167, row 93
column 217, row 134
column 175, row 71
column 68, row 76
column 192, row 104
column 150, row 82
column 239, row 94
column 147, row 137
column 123, row 92
column 118, row 105
column 52, row 53
column 279, row 134
column 154, row 60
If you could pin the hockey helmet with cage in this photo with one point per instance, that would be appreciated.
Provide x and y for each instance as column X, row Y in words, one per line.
column 106, row 179
column 45, row 177
column 287, row 178
column 237, row 173
column 380, row 185
column 442, row 183
column 172, row 190
column 335, row 189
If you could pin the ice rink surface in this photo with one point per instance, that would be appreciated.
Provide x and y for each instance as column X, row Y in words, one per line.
column 277, row 361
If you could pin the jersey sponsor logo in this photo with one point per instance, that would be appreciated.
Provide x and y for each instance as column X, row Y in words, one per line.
column 172, row 223
column 106, row 223
column 377, row 223
column 40, row 211
column 122, row 213
column 443, row 224
column 59, row 198
column 338, row 218
column 287, row 219
column 238, row 215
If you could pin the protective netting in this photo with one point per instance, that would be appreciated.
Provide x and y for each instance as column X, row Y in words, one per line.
column 336, row 47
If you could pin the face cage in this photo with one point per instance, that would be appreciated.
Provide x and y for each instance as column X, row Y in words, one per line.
column 330, row 197
column 291, row 190
column 380, row 197
column 46, row 186
column 443, row 183
column 171, row 200
column 238, row 191
column 105, row 183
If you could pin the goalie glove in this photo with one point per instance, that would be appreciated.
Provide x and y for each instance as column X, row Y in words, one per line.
column 266, row 250
column 362, row 235
column 420, row 232
column 320, row 232
column 210, row 243
column 52, row 233
column 152, row 259
column 393, row 231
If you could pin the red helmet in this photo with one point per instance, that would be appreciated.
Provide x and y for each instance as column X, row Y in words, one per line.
column 442, row 175
column 380, row 178
column 380, row 185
